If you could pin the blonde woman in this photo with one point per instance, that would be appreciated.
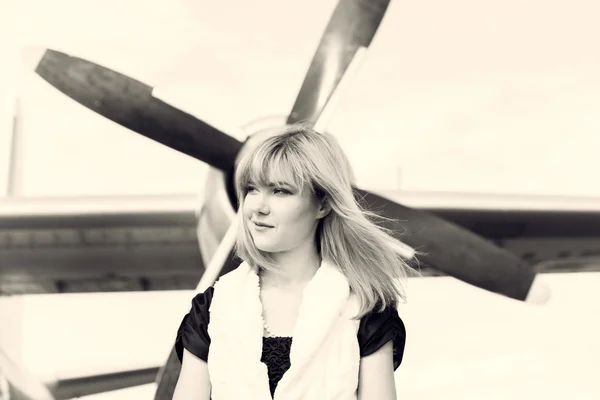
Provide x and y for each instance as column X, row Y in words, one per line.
column 311, row 311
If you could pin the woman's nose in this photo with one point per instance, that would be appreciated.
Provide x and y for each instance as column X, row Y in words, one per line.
column 260, row 205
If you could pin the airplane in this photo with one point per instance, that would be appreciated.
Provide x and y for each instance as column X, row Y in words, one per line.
column 124, row 232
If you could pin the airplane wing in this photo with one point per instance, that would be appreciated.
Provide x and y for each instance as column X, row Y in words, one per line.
column 558, row 233
column 98, row 244
column 135, row 243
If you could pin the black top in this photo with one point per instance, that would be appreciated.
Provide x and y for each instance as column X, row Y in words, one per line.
column 375, row 330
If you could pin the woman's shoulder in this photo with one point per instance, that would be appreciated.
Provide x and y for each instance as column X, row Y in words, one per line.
column 203, row 299
column 386, row 316
column 192, row 333
column 378, row 327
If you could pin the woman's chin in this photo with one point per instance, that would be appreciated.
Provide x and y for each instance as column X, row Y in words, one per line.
column 265, row 247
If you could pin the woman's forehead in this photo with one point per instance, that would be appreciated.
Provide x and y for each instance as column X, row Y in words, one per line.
column 271, row 175
column 278, row 182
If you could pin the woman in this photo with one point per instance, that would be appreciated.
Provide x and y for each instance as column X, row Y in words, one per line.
column 311, row 311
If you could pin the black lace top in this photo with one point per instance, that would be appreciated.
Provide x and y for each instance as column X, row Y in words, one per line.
column 276, row 355
column 375, row 330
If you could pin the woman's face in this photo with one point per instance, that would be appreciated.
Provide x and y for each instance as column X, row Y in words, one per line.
column 280, row 217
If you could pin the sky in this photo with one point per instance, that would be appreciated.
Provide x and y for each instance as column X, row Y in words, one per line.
column 494, row 97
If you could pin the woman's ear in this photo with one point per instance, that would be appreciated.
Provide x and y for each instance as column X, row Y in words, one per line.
column 324, row 208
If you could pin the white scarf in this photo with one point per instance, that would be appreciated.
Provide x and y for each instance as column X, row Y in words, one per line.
column 324, row 356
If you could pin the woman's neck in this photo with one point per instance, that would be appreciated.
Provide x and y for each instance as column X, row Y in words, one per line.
column 294, row 269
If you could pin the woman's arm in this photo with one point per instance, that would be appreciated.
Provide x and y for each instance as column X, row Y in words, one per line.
column 194, row 381
column 376, row 375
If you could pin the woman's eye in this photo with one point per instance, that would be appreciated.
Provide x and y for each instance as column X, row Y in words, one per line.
column 281, row 191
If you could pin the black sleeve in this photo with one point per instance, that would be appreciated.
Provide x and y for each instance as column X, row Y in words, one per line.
column 378, row 328
column 193, row 330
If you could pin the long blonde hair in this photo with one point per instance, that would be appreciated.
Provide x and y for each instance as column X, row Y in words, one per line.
column 367, row 254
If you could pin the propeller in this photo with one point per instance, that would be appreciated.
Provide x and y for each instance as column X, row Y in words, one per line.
column 469, row 257
column 351, row 27
column 448, row 248
column 130, row 103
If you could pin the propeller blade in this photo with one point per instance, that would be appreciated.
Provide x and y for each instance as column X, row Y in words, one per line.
column 454, row 250
column 66, row 389
column 130, row 103
column 351, row 26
